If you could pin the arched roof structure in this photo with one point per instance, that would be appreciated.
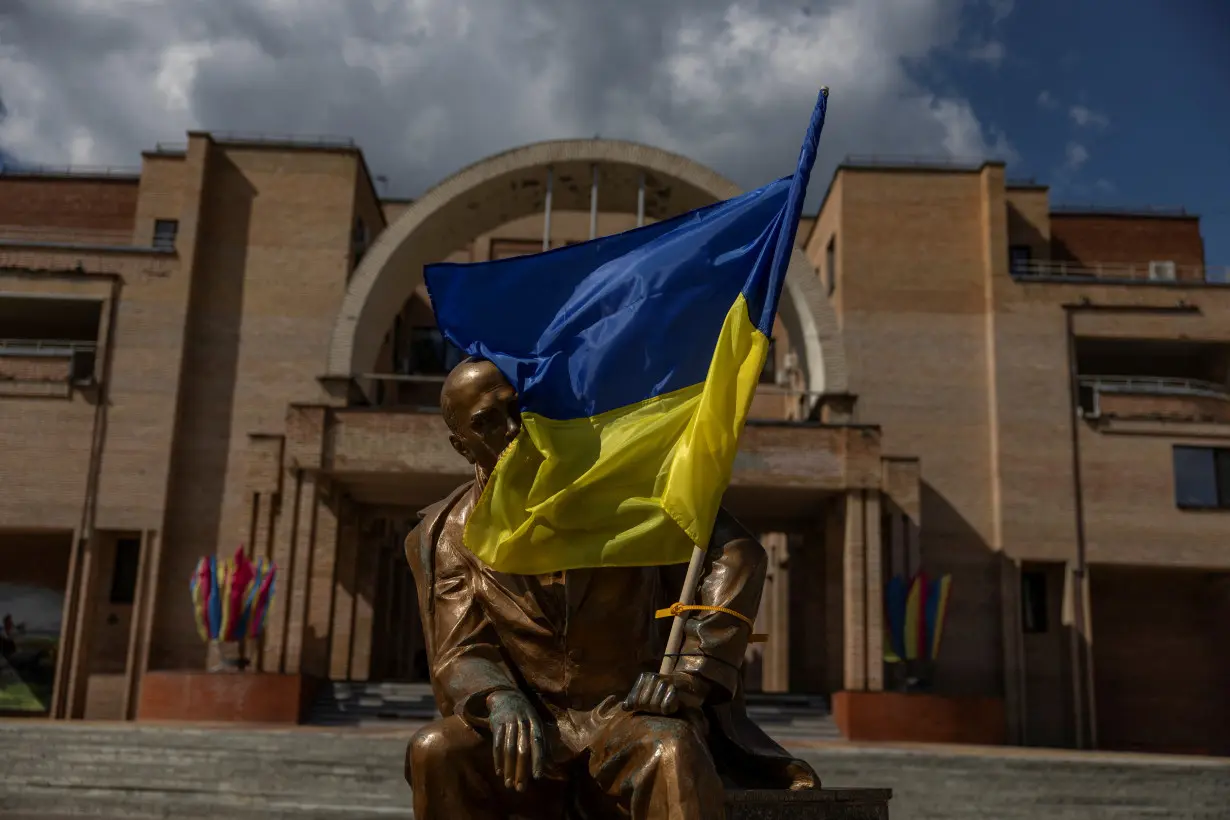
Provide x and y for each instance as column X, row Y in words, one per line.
column 481, row 197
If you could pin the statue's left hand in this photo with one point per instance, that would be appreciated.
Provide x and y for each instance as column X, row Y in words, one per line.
column 666, row 694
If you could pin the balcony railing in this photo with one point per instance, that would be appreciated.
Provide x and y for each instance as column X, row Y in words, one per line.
column 421, row 393
column 1156, row 386
column 1141, row 272
column 43, row 347
column 34, row 360
column 1190, row 399
column 116, row 171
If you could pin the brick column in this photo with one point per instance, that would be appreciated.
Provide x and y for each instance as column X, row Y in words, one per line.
column 874, row 589
column 365, row 599
column 317, row 635
column 776, row 618
column 298, row 573
column 854, row 597
column 344, row 593
column 834, row 594
column 95, row 566
column 141, row 625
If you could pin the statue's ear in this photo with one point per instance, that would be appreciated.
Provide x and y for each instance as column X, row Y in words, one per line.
column 461, row 447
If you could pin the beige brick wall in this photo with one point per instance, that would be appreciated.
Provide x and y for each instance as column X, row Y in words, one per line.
column 912, row 297
column 968, row 370
column 270, row 274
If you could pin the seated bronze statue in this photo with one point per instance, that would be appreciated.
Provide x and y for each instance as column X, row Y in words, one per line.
column 549, row 685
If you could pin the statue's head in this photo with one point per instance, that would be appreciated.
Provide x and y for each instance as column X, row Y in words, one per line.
column 481, row 410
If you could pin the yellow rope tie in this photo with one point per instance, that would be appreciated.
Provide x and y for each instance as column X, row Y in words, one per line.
column 677, row 609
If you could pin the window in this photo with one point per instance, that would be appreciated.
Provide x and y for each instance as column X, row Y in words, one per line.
column 1202, row 478
column 124, row 572
column 830, row 265
column 359, row 238
column 430, row 354
column 165, row 231
column 768, row 374
column 1033, row 602
column 1019, row 257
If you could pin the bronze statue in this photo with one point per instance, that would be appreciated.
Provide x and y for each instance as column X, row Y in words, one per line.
column 549, row 685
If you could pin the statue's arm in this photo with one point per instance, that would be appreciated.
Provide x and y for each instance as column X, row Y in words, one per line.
column 468, row 663
column 734, row 575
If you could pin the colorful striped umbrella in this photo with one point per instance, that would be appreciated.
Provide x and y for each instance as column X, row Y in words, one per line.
column 230, row 597
column 914, row 616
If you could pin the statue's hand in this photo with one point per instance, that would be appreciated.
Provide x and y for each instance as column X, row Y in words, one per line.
column 517, row 740
column 666, row 694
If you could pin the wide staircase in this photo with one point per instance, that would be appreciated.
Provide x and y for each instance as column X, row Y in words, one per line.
column 140, row 771
column 373, row 705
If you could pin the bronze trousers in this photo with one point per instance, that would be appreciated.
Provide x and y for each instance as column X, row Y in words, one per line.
column 642, row 767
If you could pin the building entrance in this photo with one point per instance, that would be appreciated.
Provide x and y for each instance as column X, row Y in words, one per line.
column 398, row 651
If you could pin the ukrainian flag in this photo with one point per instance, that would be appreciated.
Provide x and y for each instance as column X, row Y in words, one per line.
column 636, row 357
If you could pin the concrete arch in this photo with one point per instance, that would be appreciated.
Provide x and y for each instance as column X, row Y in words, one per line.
column 489, row 193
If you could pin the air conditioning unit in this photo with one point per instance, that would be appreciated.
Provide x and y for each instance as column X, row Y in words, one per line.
column 1161, row 271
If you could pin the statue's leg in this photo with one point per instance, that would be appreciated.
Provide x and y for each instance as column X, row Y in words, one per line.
column 656, row 768
column 450, row 769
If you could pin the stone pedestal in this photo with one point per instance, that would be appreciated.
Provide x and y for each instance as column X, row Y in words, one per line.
column 826, row 804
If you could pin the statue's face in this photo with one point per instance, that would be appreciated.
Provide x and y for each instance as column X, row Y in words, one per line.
column 483, row 413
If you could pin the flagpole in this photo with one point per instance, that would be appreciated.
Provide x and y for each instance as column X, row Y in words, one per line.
column 687, row 595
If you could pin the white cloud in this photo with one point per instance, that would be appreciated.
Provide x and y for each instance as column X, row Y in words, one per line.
column 991, row 52
column 1075, row 155
column 1047, row 100
column 1087, row 117
column 427, row 86
column 1000, row 9
column 1104, row 186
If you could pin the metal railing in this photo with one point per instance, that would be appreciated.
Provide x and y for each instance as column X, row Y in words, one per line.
column 50, row 348
column 304, row 140
column 1093, row 209
column 916, row 161
column 805, row 399
column 29, row 170
column 1156, row 386
column 1141, row 272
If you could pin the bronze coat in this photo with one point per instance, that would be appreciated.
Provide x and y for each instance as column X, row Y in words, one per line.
column 576, row 652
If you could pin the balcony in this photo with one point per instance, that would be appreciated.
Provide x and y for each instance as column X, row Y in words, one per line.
column 403, row 458
column 1153, row 273
column 1155, row 398
column 45, row 367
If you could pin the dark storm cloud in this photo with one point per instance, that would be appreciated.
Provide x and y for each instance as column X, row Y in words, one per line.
column 427, row 86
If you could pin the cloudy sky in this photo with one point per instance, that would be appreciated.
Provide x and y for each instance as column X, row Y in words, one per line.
column 1110, row 102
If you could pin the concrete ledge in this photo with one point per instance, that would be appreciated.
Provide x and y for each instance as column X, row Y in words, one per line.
column 825, row 804
column 202, row 697
column 919, row 718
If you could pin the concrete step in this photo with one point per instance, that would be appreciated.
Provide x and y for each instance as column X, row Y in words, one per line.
column 369, row 704
column 142, row 771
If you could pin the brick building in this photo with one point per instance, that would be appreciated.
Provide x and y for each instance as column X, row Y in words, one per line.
column 233, row 345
